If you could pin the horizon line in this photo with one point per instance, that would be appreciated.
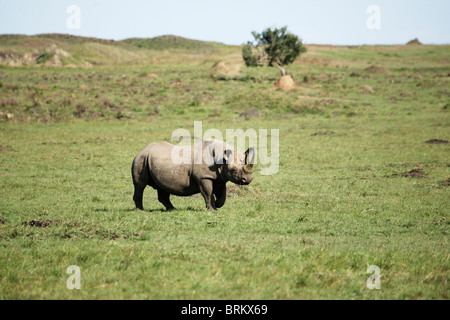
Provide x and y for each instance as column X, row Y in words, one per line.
column 234, row 45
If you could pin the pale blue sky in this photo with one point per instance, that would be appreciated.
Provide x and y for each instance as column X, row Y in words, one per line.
column 231, row 21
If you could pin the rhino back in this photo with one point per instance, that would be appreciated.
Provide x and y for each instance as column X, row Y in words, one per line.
column 169, row 176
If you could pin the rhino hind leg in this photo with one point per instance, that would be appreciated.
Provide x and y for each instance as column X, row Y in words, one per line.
column 138, row 194
column 163, row 197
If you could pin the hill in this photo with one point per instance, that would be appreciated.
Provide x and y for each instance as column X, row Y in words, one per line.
column 174, row 42
column 68, row 50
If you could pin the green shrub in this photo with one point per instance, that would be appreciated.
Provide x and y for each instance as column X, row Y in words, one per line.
column 45, row 57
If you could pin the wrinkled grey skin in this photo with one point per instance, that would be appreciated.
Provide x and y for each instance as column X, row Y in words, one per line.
column 207, row 175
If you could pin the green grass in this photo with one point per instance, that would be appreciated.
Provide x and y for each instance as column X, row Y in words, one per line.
column 337, row 204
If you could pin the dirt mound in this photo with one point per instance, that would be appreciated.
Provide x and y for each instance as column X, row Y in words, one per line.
column 414, row 42
column 222, row 70
column 376, row 69
column 286, row 83
column 436, row 141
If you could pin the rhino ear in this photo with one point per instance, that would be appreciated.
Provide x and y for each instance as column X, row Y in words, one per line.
column 250, row 156
column 227, row 156
column 220, row 158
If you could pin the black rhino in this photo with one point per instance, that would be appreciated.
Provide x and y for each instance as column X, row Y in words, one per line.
column 203, row 168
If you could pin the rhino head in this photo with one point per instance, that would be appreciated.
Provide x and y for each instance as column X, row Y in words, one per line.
column 238, row 168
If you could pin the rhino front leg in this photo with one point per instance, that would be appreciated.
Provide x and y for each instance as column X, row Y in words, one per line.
column 206, row 189
column 163, row 197
column 221, row 195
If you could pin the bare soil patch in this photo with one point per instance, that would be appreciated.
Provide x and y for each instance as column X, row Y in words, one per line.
column 414, row 173
column 436, row 141
column 38, row 223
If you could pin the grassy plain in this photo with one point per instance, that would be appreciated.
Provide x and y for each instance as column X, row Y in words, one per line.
column 341, row 201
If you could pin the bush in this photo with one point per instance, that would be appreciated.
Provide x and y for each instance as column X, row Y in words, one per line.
column 275, row 48
column 45, row 57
